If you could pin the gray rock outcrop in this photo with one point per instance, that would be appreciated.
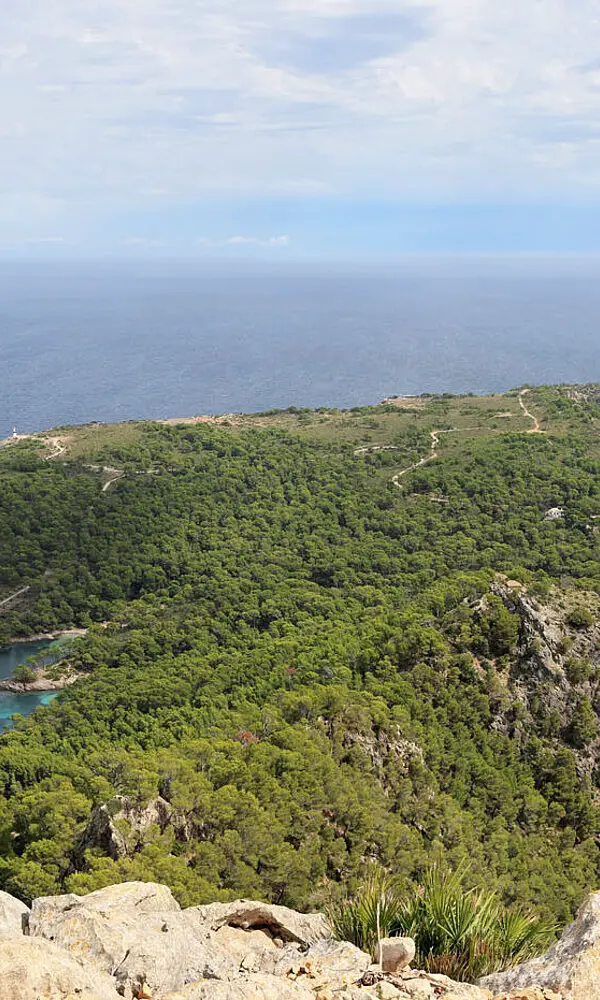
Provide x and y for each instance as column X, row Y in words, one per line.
column 570, row 968
column 103, row 830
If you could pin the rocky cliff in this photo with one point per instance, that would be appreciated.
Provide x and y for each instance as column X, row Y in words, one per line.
column 133, row 941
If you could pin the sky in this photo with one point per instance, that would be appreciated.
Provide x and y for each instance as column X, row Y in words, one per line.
column 275, row 128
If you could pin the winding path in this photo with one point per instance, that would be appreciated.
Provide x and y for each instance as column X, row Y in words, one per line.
column 11, row 597
column 113, row 474
column 370, row 449
column 536, row 429
column 435, row 440
column 59, row 448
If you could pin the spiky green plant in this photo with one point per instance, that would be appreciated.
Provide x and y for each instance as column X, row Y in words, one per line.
column 369, row 917
column 460, row 932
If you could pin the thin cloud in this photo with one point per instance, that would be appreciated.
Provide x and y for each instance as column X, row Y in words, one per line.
column 244, row 241
column 142, row 241
column 45, row 239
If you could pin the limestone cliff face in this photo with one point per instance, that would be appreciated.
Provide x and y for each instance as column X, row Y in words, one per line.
column 555, row 665
column 134, row 941
column 119, row 830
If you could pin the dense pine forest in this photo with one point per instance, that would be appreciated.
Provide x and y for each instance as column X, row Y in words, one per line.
column 308, row 655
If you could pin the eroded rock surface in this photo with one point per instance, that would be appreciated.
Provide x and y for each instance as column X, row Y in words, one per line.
column 133, row 940
column 135, row 932
column 277, row 921
column 254, row 987
column 571, row 968
column 33, row 969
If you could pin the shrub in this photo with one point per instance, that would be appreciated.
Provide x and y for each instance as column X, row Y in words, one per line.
column 578, row 671
column 24, row 674
column 459, row 932
column 582, row 730
column 373, row 915
column 580, row 617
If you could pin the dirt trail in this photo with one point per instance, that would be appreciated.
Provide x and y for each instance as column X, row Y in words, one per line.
column 17, row 593
column 58, row 444
column 371, row 449
column 113, row 474
column 536, row 429
column 433, row 453
column 435, row 440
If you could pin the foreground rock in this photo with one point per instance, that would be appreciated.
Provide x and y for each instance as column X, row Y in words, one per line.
column 134, row 941
column 256, row 987
column 278, row 922
column 570, row 969
column 32, row 969
column 395, row 954
column 13, row 914
column 135, row 932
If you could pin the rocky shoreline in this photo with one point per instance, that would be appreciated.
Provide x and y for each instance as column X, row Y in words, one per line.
column 40, row 684
column 48, row 636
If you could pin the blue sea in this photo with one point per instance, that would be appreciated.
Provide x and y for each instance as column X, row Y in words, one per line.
column 120, row 340
column 19, row 704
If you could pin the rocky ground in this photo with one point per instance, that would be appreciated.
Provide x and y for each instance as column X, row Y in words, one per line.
column 134, row 941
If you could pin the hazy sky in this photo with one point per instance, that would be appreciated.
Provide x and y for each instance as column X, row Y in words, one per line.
column 275, row 127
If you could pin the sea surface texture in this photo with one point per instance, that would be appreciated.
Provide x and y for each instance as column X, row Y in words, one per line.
column 106, row 341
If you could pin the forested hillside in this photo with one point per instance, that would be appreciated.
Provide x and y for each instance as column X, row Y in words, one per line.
column 314, row 657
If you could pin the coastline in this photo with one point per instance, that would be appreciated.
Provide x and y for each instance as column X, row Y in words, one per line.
column 48, row 636
column 38, row 686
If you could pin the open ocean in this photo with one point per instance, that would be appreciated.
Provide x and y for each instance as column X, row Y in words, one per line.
column 114, row 341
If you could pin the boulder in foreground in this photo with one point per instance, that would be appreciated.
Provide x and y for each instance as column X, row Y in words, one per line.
column 135, row 932
column 32, row 969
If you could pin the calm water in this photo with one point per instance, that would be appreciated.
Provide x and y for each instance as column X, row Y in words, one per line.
column 108, row 342
column 10, row 704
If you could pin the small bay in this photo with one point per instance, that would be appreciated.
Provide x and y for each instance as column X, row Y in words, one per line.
column 23, row 704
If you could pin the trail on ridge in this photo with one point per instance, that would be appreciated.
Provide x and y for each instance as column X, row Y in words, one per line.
column 536, row 429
